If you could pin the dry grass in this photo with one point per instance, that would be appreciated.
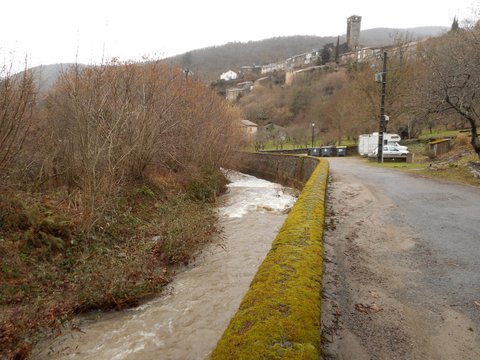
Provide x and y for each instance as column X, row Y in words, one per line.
column 453, row 166
column 462, row 140
column 456, row 174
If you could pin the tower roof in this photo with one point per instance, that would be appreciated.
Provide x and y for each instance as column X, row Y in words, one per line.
column 354, row 18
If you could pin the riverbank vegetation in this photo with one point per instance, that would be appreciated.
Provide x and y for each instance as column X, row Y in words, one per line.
column 107, row 181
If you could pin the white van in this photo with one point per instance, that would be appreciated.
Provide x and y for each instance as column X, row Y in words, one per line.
column 369, row 142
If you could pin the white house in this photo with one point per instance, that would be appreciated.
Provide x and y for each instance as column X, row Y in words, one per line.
column 229, row 75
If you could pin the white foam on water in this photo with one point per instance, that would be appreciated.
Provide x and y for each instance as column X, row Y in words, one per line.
column 250, row 194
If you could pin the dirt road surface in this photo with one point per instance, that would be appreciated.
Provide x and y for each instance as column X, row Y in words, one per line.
column 402, row 266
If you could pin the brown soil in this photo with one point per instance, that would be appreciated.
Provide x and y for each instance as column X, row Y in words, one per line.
column 364, row 315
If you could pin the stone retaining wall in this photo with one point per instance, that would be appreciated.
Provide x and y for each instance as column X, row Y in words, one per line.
column 279, row 316
column 288, row 170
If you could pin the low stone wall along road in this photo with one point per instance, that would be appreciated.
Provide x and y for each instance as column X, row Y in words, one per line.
column 402, row 266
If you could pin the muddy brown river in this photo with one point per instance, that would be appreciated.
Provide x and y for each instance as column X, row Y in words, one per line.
column 189, row 318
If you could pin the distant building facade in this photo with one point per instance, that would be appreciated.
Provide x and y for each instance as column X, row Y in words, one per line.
column 370, row 54
column 240, row 90
column 294, row 62
column 353, row 31
column 251, row 69
column 249, row 128
column 229, row 75
column 308, row 73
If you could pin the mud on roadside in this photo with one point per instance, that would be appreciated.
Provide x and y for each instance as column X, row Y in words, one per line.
column 367, row 265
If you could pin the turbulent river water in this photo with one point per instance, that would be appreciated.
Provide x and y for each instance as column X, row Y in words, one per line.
column 189, row 318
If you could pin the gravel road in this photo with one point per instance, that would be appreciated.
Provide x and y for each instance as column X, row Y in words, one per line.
column 402, row 266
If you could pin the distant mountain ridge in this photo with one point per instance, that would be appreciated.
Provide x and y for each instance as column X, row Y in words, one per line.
column 388, row 36
column 209, row 63
column 46, row 75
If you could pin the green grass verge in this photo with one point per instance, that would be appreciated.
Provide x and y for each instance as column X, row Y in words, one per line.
column 457, row 174
column 270, row 145
column 438, row 133
column 279, row 317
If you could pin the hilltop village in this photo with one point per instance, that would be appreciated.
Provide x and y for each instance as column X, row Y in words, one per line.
column 240, row 82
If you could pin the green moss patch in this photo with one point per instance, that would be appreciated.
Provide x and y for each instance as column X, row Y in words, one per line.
column 279, row 317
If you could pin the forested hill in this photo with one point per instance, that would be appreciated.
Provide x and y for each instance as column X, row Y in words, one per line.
column 386, row 36
column 46, row 75
column 209, row 63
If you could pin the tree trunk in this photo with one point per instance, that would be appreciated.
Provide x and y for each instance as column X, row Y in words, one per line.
column 475, row 143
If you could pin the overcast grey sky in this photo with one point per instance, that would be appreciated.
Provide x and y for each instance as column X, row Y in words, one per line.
column 54, row 31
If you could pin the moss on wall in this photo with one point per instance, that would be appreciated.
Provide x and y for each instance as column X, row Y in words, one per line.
column 279, row 317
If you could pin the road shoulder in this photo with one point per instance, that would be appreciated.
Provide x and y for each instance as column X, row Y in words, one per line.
column 369, row 261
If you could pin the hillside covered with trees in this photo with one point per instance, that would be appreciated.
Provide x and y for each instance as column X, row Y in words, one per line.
column 209, row 63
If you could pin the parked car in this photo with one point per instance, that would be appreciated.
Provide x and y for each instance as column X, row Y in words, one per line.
column 392, row 151
column 398, row 146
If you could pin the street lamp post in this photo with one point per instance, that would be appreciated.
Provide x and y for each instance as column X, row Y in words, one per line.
column 313, row 133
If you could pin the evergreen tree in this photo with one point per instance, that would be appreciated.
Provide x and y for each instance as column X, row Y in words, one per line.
column 455, row 25
column 337, row 50
column 326, row 53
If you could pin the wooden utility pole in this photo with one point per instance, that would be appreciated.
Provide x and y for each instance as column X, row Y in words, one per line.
column 383, row 123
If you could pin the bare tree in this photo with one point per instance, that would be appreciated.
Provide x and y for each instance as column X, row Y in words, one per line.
column 451, row 82
column 112, row 123
column 17, row 98
column 401, row 70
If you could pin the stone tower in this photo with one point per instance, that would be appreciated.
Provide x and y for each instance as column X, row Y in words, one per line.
column 353, row 31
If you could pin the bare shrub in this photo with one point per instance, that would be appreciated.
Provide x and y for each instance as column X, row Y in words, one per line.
column 17, row 98
column 109, row 123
